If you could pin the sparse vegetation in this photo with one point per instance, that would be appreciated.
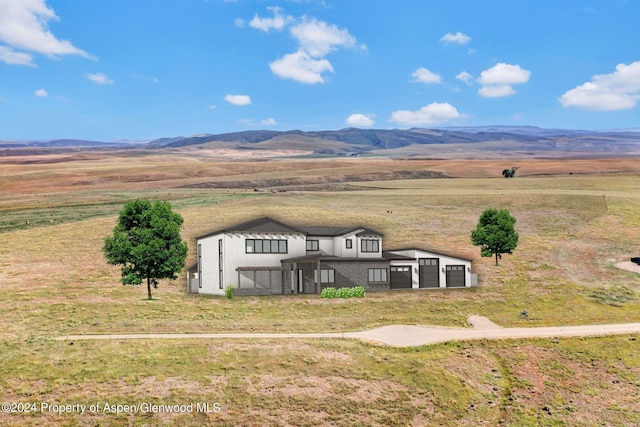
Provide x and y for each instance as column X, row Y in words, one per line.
column 228, row 291
column 54, row 282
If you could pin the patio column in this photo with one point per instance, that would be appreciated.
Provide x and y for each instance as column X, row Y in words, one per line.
column 318, row 287
column 295, row 278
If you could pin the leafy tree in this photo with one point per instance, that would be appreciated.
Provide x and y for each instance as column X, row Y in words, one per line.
column 146, row 243
column 495, row 233
column 509, row 173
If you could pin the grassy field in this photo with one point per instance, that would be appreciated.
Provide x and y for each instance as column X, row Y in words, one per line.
column 573, row 229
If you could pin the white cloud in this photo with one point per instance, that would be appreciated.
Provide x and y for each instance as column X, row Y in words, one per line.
column 315, row 38
column 360, row 120
column 300, row 66
column 10, row 56
column 504, row 74
column 24, row 26
column 496, row 91
column 278, row 21
column 465, row 77
column 423, row 75
column 458, row 38
column 496, row 81
column 100, row 79
column 212, row 107
column 41, row 93
column 431, row 114
column 240, row 100
column 619, row 90
column 266, row 122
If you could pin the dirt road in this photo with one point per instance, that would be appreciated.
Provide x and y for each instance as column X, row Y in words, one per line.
column 404, row 335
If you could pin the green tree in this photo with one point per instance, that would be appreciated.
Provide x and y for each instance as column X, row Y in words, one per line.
column 495, row 233
column 509, row 173
column 146, row 243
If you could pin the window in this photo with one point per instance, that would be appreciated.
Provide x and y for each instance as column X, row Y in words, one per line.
column 349, row 243
column 377, row 275
column 312, row 245
column 199, row 265
column 220, row 264
column 265, row 246
column 370, row 245
column 428, row 261
column 327, row 275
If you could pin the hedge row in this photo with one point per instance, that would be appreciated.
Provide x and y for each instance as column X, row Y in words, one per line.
column 355, row 292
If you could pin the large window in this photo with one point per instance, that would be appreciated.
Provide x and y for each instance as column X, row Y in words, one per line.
column 327, row 275
column 266, row 246
column 370, row 245
column 312, row 245
column 377, row 275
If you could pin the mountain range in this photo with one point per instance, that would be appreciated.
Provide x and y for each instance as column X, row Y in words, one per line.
column 527, row 140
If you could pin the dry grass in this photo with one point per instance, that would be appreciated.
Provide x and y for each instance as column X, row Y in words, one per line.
column 54, row 281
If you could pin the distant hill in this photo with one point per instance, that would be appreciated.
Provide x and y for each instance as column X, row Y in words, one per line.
column 359, row 139
column 525, row 140
column 59, row 143
column 470, row 141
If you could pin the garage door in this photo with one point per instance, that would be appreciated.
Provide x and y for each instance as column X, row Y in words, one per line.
column 400, row 277
column 428, row 270
column 455, row 276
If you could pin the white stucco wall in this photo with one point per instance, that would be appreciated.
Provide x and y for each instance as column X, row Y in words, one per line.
column 341, row 245
column 234, row 255
column 209, row 264
column 325, row 245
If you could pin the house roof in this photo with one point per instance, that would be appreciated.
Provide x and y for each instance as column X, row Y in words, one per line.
column 369, row 232
column 316, row 257
column 328, row 231
column 394, row 256
column 392, row 253
column 263, row 224
column 266, row 224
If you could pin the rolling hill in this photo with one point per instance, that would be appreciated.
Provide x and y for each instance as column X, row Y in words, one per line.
column 472, row 141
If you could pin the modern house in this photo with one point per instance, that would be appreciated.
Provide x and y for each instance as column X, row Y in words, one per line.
column 266, row 257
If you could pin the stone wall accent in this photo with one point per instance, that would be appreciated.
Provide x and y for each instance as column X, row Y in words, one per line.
column 350, row 274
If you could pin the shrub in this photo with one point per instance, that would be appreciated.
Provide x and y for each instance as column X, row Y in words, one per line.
column 328, row 293
column 355, row 292
column 229, row 291
column 358, row 292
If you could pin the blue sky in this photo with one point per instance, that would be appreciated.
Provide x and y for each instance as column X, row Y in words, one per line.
column 139, row 69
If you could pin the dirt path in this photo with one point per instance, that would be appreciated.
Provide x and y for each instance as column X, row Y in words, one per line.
column 406, row 335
